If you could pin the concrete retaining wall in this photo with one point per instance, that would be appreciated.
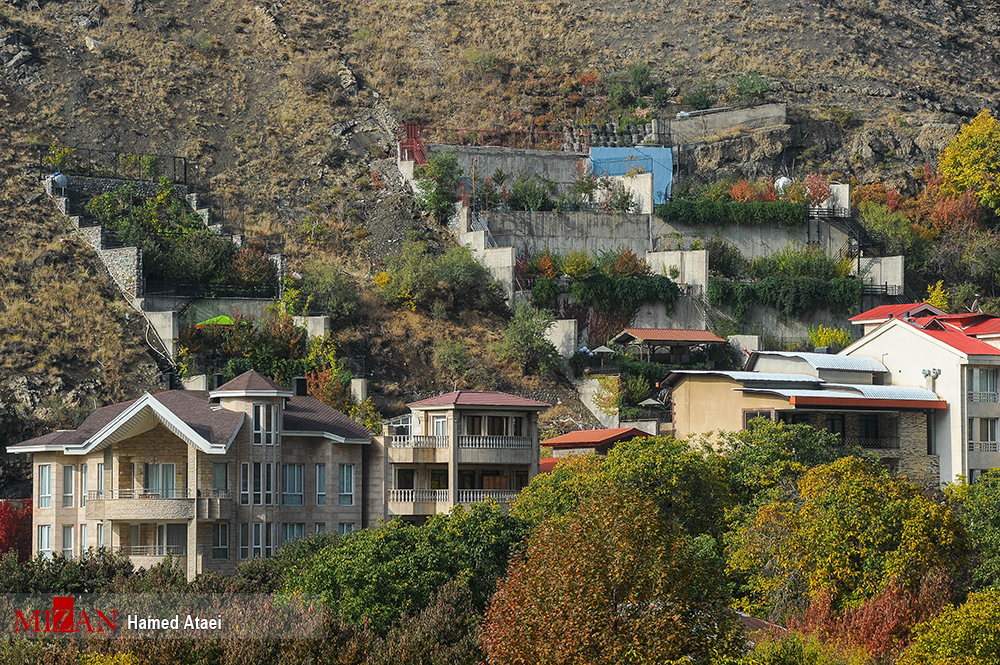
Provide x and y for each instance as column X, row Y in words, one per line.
column 691, row 266
column 565, row 231
column 554, row 165
column 685, row 130
column 753, row 241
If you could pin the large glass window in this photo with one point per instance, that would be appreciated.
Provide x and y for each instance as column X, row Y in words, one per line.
column 45, row 540
column 83, row 538
column 496, row 425
column 220, row 478
column 474, row 425
column 346, row 485
column 867, row 426
column 83, row 484
column 982, row 382
column 440, row 425
column 291, row 531
column 245, row 484
column 100, row 480
column 345, row 528
column 244, row 541
column 44, row 486
column 405, row 479
column 67, row 541
column 159, row 480
column 835, row 424
column 269, row 482
column 265, row 424
column 439, row 479
column 67, row 501
column 257, row 492
column 100, row 535
column 749, row 416
column 321, row 484
column 291, row 487
column 220, row 540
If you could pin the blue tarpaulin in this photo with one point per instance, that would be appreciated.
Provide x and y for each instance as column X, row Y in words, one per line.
column 619, row 161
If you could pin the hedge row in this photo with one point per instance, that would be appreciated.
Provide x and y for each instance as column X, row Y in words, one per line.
column 729, row 213
column 793, row 297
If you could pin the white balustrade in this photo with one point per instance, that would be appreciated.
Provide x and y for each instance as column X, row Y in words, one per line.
column 418, row 441
column 494, row 442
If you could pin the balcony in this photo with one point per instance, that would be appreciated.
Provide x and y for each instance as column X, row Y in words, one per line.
column 414, row 441
column 140, row 504
column 492, row 442
column 877, row 442
column 984, row 398
column 412, row 449
column 146, row 556
column 984, row 447
column 417, row 496
column 502, row 497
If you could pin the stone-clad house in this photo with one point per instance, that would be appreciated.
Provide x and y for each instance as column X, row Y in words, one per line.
column 212, row 477
column 217, row 477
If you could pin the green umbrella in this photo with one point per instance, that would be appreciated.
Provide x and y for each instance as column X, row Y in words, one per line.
column 221, row 320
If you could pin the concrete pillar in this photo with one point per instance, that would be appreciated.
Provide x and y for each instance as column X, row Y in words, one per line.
column 193, row 560
column 454, row 422
column 359, row 390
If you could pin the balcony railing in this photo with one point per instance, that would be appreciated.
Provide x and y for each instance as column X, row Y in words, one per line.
column 879, row 442
column 984, row 446
column 138, row 493
column 987, row 398
column 412, row 441
column 417, row 496
column 212, row 493
column 153, row 550
column 475, row 496
column 495, row 442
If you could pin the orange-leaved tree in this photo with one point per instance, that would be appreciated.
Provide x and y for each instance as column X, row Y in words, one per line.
column 608, row 583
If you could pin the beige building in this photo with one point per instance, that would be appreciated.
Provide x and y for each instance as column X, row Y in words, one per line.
column 889, row 421
column 459, row 448
column 212, row 478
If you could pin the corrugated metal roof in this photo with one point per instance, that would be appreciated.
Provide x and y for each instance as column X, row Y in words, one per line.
column 594, row 437
column 671, row 335
column 772, row 377
column 845, row 391
column 830, row 361
column 963, row 343
column 884, row 312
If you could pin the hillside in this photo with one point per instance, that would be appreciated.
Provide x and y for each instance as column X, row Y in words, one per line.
column 288, row 110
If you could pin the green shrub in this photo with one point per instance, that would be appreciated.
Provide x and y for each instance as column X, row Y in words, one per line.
column 544, row 293
column 706, row 212
column 531, row 192
column 749, row 87
column 578, row 264
column 329, row 292
column 524, row 342
column 793, row 297
column 453, row 281
column 625, row 293
column 438, row 180
column 794, row 262
column 725, row 259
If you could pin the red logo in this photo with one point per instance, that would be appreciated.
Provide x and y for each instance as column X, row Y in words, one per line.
column 62, row 619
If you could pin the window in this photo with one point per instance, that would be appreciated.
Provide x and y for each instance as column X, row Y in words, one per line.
column 517, row 426
column 291, row 532
column 835, row 424
column 320, row 527
column 793, row 418
column 439, row 479
column 133, row 535
column 100, row 479
column 67, row 501
column 220, row 541
column 404, row 479
column 345, row 528
column 983, row 434
column 265, row 424
column 867, row 427
column 748, row 416
column 440, row 425
column 67, row 541
column 45, row 540
column 220, row 478
column 244, row 541
column 321, row 484
column 269, row 497
column 474, row 425
column 44, row 486
column 245, row 484
column 292, row 485
column 520, row 479
column 159, row 480
column 257, row 494
column 496, row 425
column 100, row 535
column 345, row 486
column 257, row 540
column 269, row 544
column 83, row 485
column 982, row 384
column 83, row 538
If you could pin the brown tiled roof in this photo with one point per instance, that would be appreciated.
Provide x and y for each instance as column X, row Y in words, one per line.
column 251, row 380
column 594, row 437
column 548, row 464
column 308, row 414
column 476, row 398
column 88, row 428
column 680, row 335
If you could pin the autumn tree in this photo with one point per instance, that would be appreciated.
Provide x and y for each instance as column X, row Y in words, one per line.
column 850, row 529
column 979, row 510
column 968, row 634
column 972, row 161
column 608, row 583
column 15, row 528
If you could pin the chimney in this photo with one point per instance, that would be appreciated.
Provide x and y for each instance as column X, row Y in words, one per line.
column 822, row 349
column 299, row 386
column 217, row 381
column 930, row 377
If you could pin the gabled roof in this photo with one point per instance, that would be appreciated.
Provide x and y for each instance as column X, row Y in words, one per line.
column 886, row 312
column 593, row 438
column 251, row 384
column 477, row 398
column 824, row 361
column 307, row 416
column 665, row 335
column 963, row 343
column 956, row 342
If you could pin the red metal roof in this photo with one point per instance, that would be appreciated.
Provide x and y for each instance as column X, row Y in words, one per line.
column 671, row 335
column 476, row 398
column 989, row 326
column 592, row 438
column 964, row 343
column 885, row 312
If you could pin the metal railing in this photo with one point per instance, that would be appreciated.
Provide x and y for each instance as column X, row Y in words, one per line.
column 495, row 442
column 419, row 441
column 880, row 442
column 985, row 398
column 418, row 496
column 475, row 496
column 152, row 550
column 114, row 164
column 984, row 446
column 138, row 493
column 213, row 493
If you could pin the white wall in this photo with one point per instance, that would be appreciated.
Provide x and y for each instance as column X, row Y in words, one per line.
column 691, row 265
column 641, row 186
